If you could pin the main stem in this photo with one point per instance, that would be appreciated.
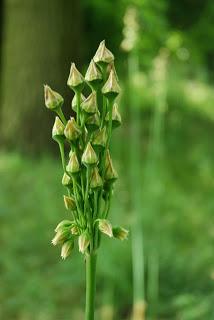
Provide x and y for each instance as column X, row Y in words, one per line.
column 90, row 285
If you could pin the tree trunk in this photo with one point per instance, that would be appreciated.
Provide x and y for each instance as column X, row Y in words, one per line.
column 39, row 41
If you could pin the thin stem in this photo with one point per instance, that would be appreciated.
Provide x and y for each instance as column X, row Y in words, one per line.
column 78, row 106
column 62, row 153
column 90, row 286
column 61, row 115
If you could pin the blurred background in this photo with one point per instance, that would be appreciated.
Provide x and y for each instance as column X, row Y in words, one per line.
column 163, row 152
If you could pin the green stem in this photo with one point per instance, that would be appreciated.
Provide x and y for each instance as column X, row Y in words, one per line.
column 90, row 286
column 78, row 107
column 62, row 153
column 61, row 115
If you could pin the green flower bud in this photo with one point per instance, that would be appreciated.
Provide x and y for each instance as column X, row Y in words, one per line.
column 75, row 79
column 53, row 100
column 63, row 225
column 116, row 117
column 89, row 105
column 103, row 55
column 105, row 227
column 73, row 164
column 74, row 101
column 110, row 173
column 58, row 130
column 72, row 131
column 93, row 122
column 66, row 180
column 110, row 67
column 108, row 159
column 89, row 156
column 69, row 202
column 100, row 137
column 93, row 75
column 120, row 233
column 61, row 236
column 111, row 88
column 67, row 248
column 96, row 180
column 83, row 241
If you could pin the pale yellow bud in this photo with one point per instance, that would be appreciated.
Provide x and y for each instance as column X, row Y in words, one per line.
column 67, row 248
column 89, row 156
column 75, row 79
column 83, row 242
column 53, row 100
column 105, row 227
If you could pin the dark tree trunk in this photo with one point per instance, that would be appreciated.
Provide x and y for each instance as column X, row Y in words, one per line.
column 40, row 39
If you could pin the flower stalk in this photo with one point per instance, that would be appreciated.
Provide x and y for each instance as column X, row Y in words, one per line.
column 87, row 175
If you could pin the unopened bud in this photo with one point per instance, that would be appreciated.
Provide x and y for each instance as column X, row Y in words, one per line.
column 93, row 122
column 63, row 225
column 116, row 117
column 120, row 233
column 111, row 88
column 69, row 202
column 89, row 156
column 103, row 55
column 53, row 100
column 89, row 105
column 93, row 74
column 75, row 79
column 61, row 236
column 67, row 248
column 111, row 174
column 73, row 164
column 72, row 131
column 83, row 242
column 100, row 137
column 96, row 180
column 108, row 159
column 58, row 130
column 66, row 180
column 105, row 227
column 74, row 101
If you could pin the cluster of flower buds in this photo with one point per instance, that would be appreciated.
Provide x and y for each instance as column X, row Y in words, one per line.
column 84, row 140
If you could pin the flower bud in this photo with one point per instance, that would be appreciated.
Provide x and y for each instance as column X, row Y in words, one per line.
column 67, row 247
column 58, row 130
column 73, row 164
column 66, row 180
column 83, row 241
column 93, row 122
column 96, row 180
column 75, row 79
column 111, row 88
column 74, row 101
column 103, row 55
column 72, row 131
column 108, row 159
column 53, row 100
column 120, row 233
column 61, row 236
column 63, row 225
column 89, row 156
column 69, row 202
column 89, row 105
column 93, row 76
column 100, row 137
column 116, row 117
column 111, row 174
column 105, row 227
